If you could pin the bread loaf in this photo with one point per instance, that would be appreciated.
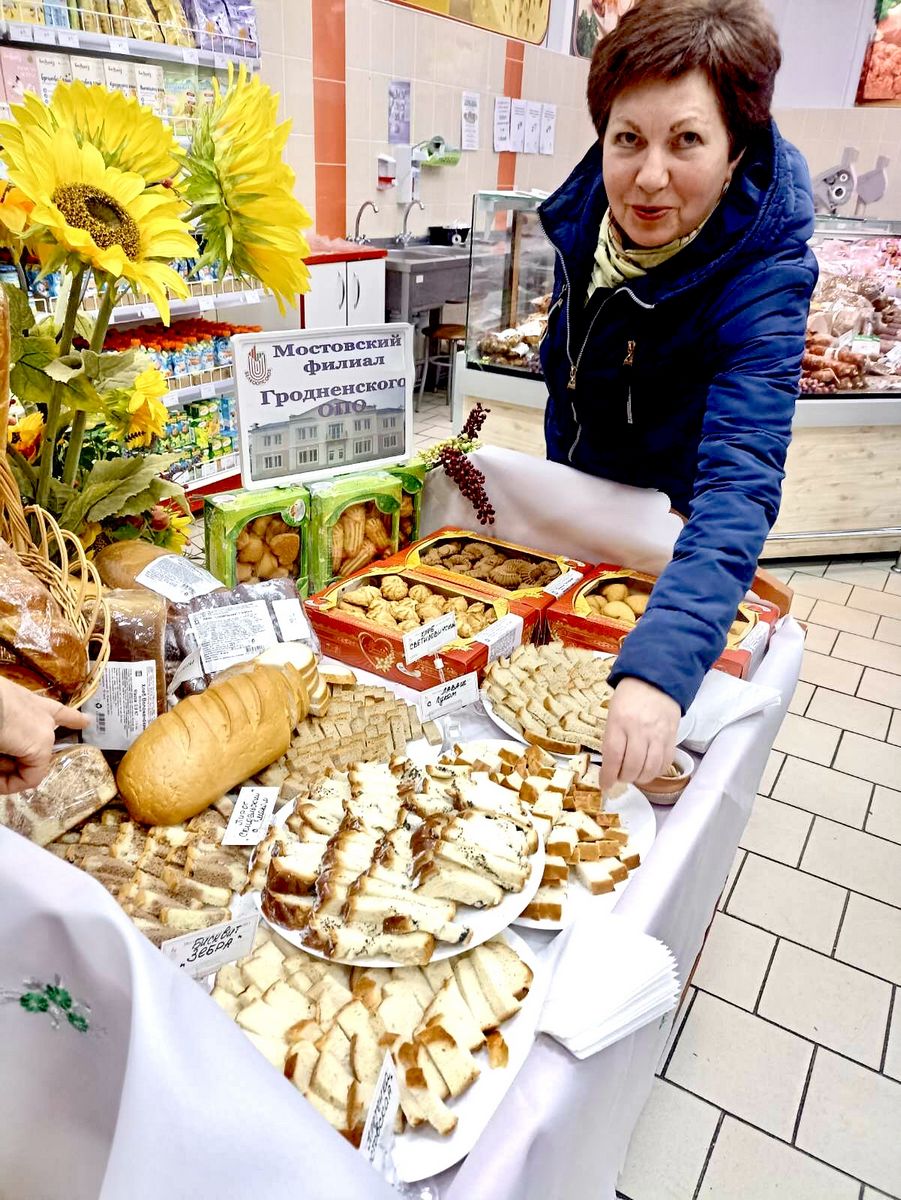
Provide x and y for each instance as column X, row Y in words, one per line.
column 120, row 562
column 34, row 627
column 138, row 632
column 78, row 783
column 208, row 744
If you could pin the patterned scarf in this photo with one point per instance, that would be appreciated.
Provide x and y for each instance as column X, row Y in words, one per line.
column 613, row 263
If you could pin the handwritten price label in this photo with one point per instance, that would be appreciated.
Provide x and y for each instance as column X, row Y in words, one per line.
column 449, row 697
column 430, row 637
column 251, row 816
column 377, row 1141
column 203, row 953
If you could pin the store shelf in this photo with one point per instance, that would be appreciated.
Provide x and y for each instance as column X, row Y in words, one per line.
column 210, row 384
column 208, row 473
column 194, row 305
column 228, row 50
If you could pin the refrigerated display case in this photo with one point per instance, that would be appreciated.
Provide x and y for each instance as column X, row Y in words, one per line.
column 842, row 491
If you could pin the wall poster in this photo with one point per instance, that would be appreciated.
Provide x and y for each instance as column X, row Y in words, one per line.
column 594, row 19
column 524, row 19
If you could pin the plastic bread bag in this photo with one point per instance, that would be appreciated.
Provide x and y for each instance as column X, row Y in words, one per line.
column 173, row 23
column 214, row 632
column 210, row 21
column 138, row 632
column 412, row 481
column 78, row 783
column 354, row 521
column 253, row 536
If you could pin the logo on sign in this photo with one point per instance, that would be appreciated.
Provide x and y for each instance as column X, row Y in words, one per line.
column 258, row 370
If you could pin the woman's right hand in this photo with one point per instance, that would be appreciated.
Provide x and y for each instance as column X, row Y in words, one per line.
column 640, row 734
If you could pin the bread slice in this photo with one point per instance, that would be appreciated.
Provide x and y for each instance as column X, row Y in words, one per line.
column 629, row 857
column 260, row 1017
column 506, row 873
column 286, row 998
column 547, row 903
column 401, row 1013
column 555, row 869
column 230, row 978
column 449, row 1009
column 412, row 979
column 227, row 1001
column 471, row 990
column 292, row 912
column 273, row 1049
column 600, row 876
column 499, row 981
column 456, row 882
column 300, row 1064
column 457, row 1066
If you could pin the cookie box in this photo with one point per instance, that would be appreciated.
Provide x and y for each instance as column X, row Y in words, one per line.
column 603, row 610
column 518, row 573
column 354, row 520
column 350, row 632
column 412, row 481
column 253, row 536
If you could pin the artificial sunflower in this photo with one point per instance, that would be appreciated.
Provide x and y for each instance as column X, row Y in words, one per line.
column 87, row 214
column 15, row 211
column 137, row 416
column 243, row 193
column 25, row 436
column 169, row 527
column 128, row 135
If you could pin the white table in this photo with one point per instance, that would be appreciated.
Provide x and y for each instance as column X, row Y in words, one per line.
column 165, row 1096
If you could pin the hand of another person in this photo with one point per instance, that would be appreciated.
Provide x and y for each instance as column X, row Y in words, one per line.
column 641, row 733
column 27, row 732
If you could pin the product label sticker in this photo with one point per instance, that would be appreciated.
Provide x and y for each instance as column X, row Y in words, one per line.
column 377, row 1142
column 123, row 706
column 226, row 636
column 19, row 32
column 201, row 953
column 44, row 35
column 68, row 38
column 177, row 578
column 502, row 637
column 430, row 637
column 563, row 583
column 251, row 816
column 191, row 668
column 755, row 643
column 448, row 697
column 868, row 346
column 292, row 622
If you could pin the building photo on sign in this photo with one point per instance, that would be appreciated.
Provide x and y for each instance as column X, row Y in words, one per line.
column 315, row 403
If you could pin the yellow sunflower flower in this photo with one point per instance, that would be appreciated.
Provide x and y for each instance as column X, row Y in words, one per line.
column 25, row 436
column 243, row 193
column 15, row 210
column 128, row 135
column 88, row 214
column 136, row 417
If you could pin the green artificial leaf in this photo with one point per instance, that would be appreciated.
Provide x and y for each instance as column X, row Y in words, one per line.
column 21, row 316
column 114, row 371
column 28, row 377
column 24, row 473
column 64, row 370
column 110, row 484
column 81, row 396
column 140, row 502
column 169, row 490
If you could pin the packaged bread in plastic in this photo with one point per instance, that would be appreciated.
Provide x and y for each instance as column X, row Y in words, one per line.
column 254, row 536
column 78, row 783
column 138, row 632
column 354, row 521
column 412, row 481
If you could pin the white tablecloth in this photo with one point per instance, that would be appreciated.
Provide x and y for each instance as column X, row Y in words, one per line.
column 164, row 1096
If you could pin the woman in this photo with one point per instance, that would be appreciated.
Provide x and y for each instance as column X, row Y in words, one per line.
column 27, row 732
column 673, row 350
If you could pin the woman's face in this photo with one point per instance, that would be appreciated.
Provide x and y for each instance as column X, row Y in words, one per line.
column 666, row 158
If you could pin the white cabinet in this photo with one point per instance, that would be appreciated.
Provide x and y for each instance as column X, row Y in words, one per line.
column 366, row 292
column 345, row 294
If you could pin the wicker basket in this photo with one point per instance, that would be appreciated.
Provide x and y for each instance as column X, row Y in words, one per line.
column 54, row 555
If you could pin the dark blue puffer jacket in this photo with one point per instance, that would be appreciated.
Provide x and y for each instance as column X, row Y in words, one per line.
column 685, row 380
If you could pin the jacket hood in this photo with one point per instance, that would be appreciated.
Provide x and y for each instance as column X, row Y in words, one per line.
column 768, row 204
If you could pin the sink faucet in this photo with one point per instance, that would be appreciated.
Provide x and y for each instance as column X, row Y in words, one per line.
column 357, row 237
column 403, row 238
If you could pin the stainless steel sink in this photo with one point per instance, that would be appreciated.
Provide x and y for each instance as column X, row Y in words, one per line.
column 420, row 277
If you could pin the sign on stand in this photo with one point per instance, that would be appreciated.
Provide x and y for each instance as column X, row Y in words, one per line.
column 322, row 402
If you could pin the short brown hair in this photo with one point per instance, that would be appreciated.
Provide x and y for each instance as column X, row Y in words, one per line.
column 732, row 41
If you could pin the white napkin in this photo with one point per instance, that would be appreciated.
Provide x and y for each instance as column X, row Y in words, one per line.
column 721, row 700
column 610, row 979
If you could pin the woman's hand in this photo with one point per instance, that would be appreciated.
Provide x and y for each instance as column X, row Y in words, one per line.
column 641, row 733
column 27, row 732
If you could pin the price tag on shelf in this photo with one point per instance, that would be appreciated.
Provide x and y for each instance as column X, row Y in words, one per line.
column 502, row 637
column 45, row 35
column 251, row 816
column 207, row 391
column 207, row 303
column 203, row 953
column 119, row 46
column 68, row 38
column 147, row 311
column 220, row 62
column 563, row 583
column 251, row 297
column 430, row 637
column 20, row 31
column 448, row 697
column 190, row 55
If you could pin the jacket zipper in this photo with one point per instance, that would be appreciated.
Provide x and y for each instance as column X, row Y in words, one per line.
column 551, row 312
column 629, row 361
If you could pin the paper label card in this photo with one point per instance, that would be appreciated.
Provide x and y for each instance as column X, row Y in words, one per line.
column 232, row 635
column 377, row 1142
column 203, row 953
column 123, row 706
column 502, row 106
column 502, row 637
column 518, row 113
column 548, row 128
column 430, row 637
column 251, row 816
column 563, row 583
column 177, row 578
column 448, row 697
column 469, row 121
column 292, row 622
column 532, row 141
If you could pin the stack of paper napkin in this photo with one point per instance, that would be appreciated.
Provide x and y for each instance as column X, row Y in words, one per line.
column 610, row 979
column 721, row 700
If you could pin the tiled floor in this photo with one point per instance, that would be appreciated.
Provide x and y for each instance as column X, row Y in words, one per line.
column 783, row 1078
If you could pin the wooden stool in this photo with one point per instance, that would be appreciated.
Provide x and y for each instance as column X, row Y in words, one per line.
column 454, row 336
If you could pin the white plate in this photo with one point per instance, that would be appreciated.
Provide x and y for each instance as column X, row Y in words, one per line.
column 638, row 820
column 484, row 922
column 508, row 729
column 420, row 1153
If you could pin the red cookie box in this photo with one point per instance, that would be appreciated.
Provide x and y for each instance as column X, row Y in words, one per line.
column 534, row 599
column 573, row 621
column 361, row 643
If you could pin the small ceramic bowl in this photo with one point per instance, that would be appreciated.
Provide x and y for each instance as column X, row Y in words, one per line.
column 666, row 789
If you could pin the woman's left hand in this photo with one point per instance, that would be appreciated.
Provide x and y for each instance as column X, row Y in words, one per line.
column 641, row 733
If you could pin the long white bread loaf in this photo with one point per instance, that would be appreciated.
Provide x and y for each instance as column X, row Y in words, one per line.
column 208, row 744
